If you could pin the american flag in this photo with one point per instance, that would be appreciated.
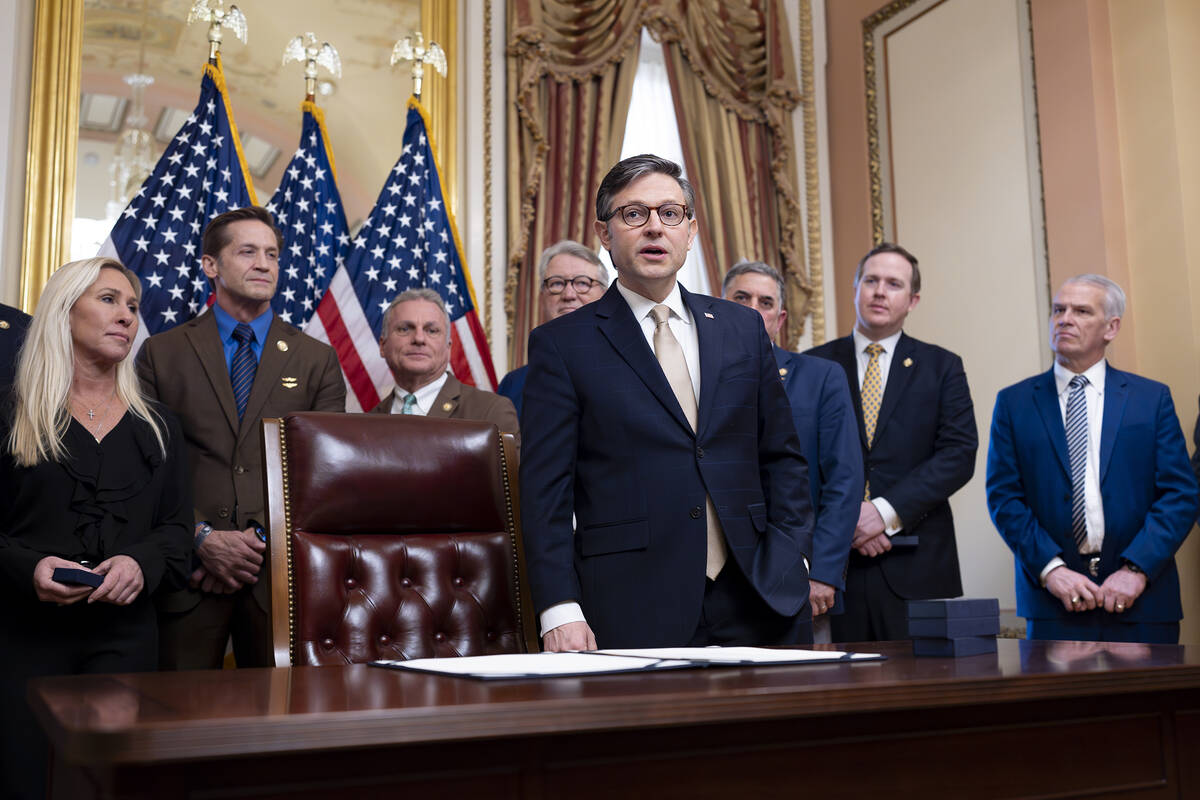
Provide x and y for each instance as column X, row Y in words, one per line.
column 308, row 209
column 408, row 241
column 201, row 174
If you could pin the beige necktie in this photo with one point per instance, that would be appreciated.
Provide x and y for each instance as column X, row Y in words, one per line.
column 872, row 397
column 674, row 366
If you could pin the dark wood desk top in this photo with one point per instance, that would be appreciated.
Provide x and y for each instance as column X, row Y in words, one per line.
column 161, row 717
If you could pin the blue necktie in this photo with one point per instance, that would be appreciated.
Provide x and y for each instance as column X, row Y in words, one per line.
column 241, row 372
column 1077, row 438
column 410, row 400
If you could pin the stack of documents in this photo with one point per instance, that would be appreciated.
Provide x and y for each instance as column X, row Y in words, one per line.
column 608, row 662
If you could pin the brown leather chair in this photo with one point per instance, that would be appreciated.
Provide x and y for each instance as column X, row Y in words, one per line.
column 393, row 537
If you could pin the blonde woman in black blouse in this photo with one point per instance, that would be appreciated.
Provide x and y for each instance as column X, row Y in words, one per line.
column 92, row 478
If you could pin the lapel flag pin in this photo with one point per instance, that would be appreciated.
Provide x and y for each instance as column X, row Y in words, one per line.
column 282, row 345
column 710, row 316
column 908, row 362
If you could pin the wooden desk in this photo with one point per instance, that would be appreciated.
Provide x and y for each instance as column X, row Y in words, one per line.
column 1052, row 719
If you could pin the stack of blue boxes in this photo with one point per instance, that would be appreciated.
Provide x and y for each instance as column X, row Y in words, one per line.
column 960, row 626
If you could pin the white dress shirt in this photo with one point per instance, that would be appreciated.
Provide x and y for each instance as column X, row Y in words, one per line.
column 425, row 397
column 1093, row 505
column 684, row 328
column 892, row 523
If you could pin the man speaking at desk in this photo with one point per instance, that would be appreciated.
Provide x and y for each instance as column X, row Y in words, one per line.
column 664, row 428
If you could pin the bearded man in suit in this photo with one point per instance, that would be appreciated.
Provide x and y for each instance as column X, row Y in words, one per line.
column 221, row 373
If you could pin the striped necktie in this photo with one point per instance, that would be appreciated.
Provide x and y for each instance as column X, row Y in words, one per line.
column 241, row 371
column 1077, row 440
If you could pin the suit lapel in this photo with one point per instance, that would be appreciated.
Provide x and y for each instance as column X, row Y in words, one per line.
column 900, row 375
column 843, row 353
column 446, row 401
column 787, row 367
column 206, row 341
column 270, row 368
column 624, row 333
column 1045, row 398
column 1116, row 392
column 710, row 352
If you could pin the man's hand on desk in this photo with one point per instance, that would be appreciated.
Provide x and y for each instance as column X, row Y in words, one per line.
column 572, row 636
column 820, row 596
column 1073, row 589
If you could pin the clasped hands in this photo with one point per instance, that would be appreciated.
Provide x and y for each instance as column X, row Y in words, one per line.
column 123, row 582
column 229, row 560
column 1079, row 593
column 869, row 536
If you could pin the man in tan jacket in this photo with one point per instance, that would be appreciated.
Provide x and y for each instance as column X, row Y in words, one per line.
column 415, row 343
column 221, row 373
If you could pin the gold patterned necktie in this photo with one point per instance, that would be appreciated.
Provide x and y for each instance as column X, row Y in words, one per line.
column 674, row 366
column 872, row 397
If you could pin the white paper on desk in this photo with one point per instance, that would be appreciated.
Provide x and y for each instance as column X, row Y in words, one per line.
column 519, row 665
column 744, row 655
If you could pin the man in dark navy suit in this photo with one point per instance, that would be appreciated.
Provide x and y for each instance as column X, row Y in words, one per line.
column 662, row 425
column 571, row 277
column 828, row 431
column 1089, row 484
column 917, row 429
column 13, row 324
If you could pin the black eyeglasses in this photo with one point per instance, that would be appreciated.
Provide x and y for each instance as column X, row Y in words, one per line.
column 636, row 215
column 581, row 283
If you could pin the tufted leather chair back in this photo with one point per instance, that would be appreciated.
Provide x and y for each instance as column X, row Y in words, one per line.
column 393, row 537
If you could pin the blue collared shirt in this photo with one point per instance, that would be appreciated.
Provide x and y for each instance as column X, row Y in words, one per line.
column 225, row 325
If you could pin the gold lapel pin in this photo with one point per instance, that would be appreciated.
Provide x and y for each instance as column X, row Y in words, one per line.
column 3, row 324
column 447, row 406
column 908, row 362
column 710, row 316
column 282, row 345
column 289, row 382
column 782, row 371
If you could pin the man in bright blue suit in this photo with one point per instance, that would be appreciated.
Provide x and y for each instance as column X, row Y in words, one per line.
column 828, row 431
column 662, row 425
column 571, row 277
column 1089, row 483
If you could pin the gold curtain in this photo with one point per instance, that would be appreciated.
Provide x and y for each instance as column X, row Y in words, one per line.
column 570, row 76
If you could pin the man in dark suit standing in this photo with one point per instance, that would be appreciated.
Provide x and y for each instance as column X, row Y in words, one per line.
column 663, row 427
column 13, row 325
column 825, row 423
column 221, row 373
column 917, row 428
column 572, row 276
column 1089, row 484
column 416, row 346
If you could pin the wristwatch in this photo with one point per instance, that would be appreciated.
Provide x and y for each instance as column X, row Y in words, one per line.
column 203, row 529
column 1132, row 567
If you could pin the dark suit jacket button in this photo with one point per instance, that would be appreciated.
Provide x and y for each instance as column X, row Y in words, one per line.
column 696, row 512
column 699, row 452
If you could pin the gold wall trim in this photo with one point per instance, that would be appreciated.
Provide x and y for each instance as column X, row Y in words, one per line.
column 53, row 144
column 870, row 71
column 812, row 176
column 439, row 21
